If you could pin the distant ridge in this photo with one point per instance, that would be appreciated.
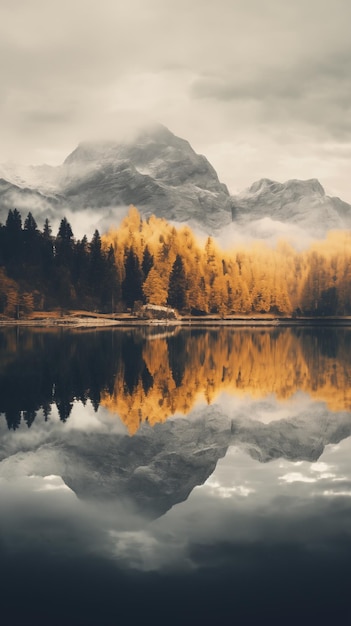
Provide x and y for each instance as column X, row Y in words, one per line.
column 161, row 174
column 297, row 202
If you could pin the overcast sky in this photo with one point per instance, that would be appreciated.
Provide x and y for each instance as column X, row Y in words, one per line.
column 261, row 87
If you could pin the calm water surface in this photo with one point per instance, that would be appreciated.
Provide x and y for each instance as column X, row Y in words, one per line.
column 184, row 477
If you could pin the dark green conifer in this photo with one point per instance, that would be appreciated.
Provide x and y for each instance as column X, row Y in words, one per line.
column 132, row 284
column 177, row 285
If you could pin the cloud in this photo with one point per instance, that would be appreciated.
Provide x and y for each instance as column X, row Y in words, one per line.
column 312, row 92
column 262, row 89
column 267, row 230
column 39, row 118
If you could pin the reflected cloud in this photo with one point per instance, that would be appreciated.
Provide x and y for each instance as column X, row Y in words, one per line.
column 147, row 550
column 294, row 477
column 319, row 472
column 53, row 483
column 215, row 487
column 321, row 467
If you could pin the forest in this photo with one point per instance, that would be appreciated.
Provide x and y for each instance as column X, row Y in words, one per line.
column 152, row 261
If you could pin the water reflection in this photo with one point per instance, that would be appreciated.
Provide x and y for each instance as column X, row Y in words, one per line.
column 149, row 377
column 175, row 372
column 230, row 502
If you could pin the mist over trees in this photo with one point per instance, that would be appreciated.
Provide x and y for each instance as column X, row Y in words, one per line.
column 202, row 278
column 150, row 261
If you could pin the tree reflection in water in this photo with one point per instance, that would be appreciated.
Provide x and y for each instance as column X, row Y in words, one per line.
column 148, row 376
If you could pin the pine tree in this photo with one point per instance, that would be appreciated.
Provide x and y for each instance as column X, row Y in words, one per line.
column 12, row 251
column 96, row 267
column 147, row 263
column 31, row 247
column 110, row 289
column 177, row 285
column 80, row 271
column 47, row 230
column 65, row 231
column 30, row 224
column 64, row 257
column 14, row 222
column 132, row 283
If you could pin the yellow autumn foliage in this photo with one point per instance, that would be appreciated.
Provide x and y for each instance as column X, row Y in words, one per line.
column 255, row 363
column 255, row 279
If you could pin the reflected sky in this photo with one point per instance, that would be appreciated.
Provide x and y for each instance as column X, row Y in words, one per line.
column 238, row 510
column 254, row 534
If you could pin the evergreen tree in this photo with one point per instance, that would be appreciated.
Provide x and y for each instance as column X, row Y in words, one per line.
column 13, row 242
column 132, row 283
column 30, row 224
column 14, row 222
column 96, row 273
column 177, row 285
column 147, row 262
column 31, row 248
column 65, row 231
column 47, row 257
column 64, row 243
column 47, row 230
column 64, row 261
column 80, row 270
column 95, row 246
column 110, row 289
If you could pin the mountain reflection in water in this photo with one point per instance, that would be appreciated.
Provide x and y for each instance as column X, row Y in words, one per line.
column 193, row 477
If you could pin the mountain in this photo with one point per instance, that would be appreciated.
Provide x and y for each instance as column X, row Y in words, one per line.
column 25, row 198
column 154, row 470
column 302, row 203
column 156, row 171
column 160, row 466
column 161, row 174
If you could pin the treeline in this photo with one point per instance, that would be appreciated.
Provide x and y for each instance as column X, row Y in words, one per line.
column 161, row 264
column 39, row 271
column 150, row 261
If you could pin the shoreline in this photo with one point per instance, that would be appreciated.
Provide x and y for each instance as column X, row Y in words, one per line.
column 76, row 320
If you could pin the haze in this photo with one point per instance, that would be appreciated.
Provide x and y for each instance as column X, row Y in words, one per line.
column 261, row 88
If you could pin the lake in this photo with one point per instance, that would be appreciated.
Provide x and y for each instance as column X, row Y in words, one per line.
column 167, row 476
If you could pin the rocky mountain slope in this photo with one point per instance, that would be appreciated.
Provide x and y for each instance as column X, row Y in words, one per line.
column 25, row 198
column 160, row 466
column 161, row 174
column 302, row 203
column 157, row 172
